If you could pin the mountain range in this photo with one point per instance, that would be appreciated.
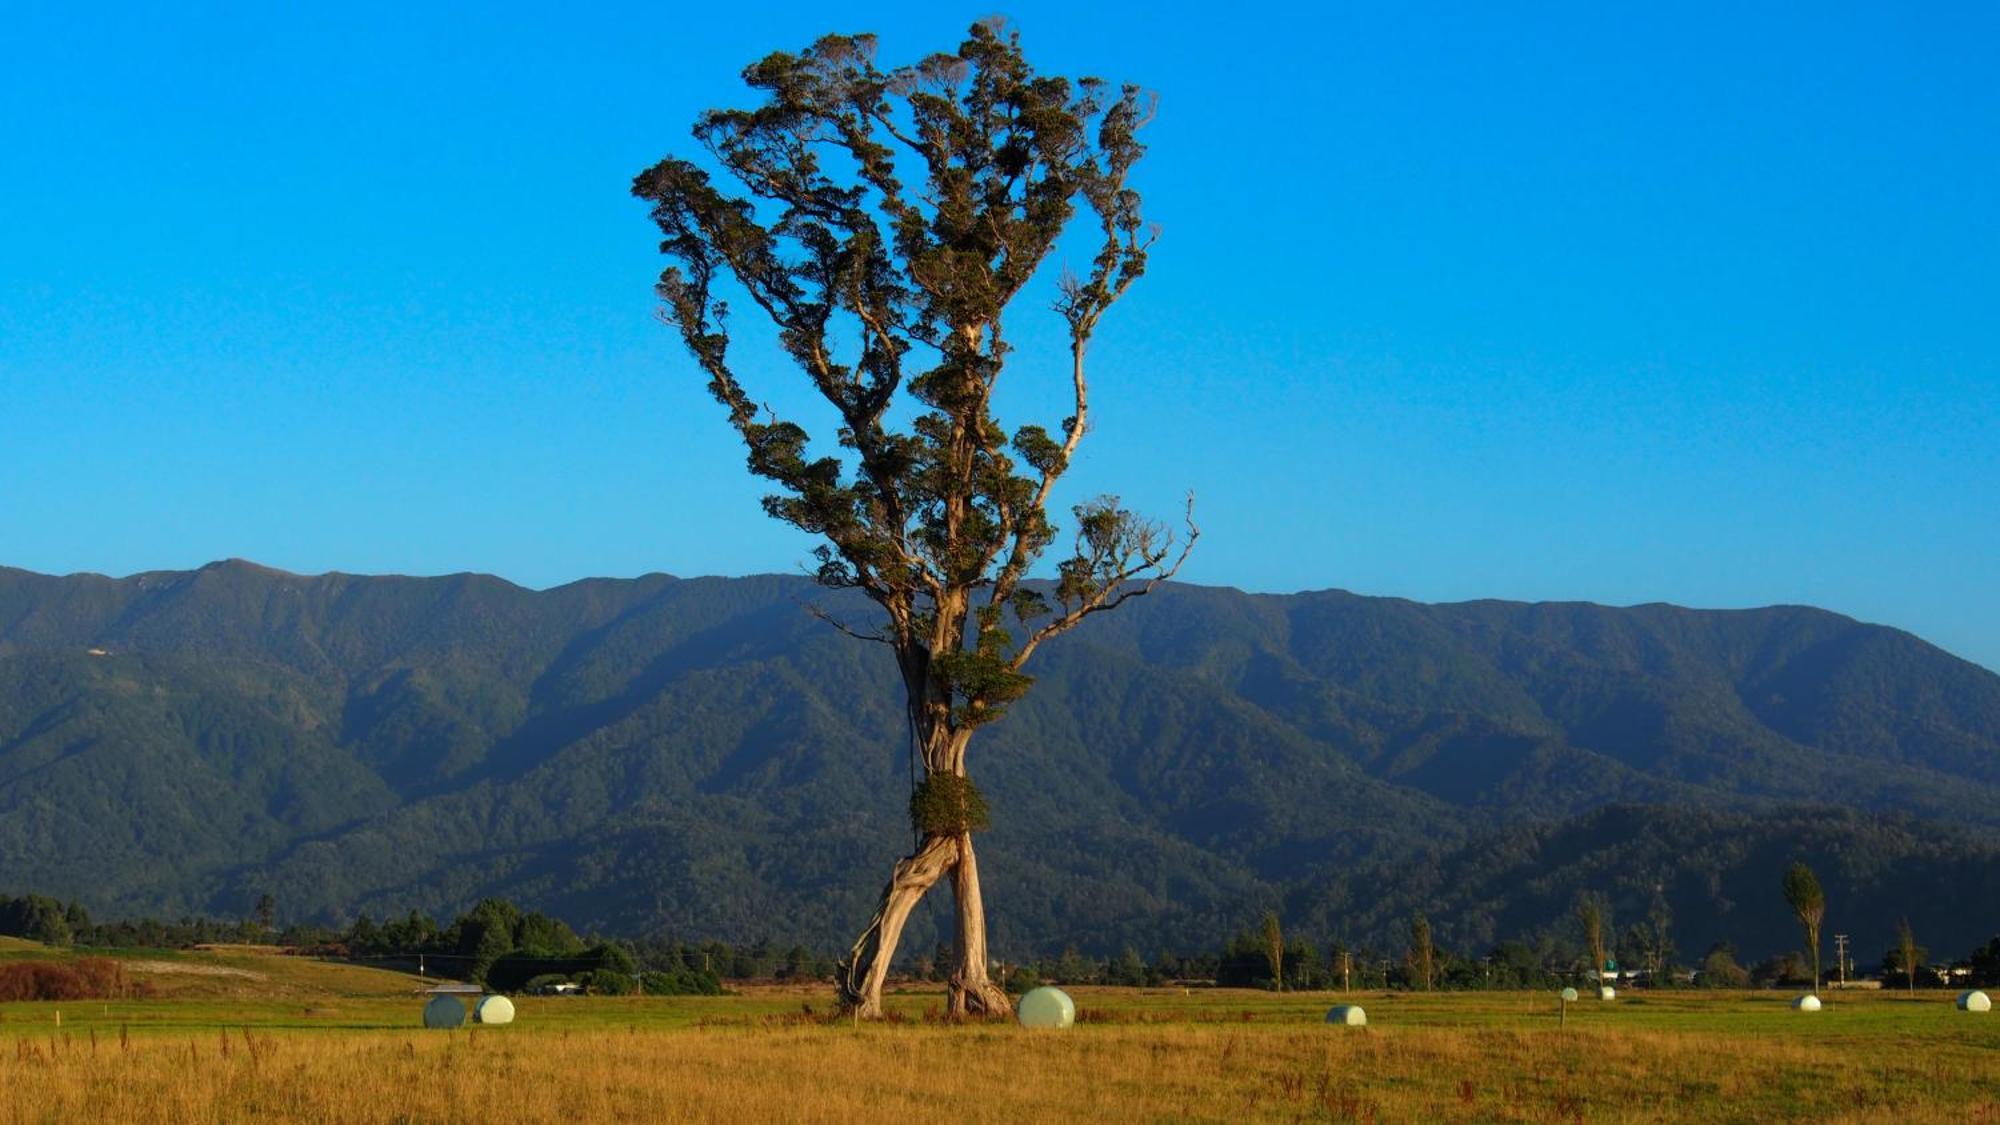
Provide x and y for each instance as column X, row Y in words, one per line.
column 705, row 758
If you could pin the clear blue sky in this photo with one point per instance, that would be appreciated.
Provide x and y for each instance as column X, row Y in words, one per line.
column 1682, row 304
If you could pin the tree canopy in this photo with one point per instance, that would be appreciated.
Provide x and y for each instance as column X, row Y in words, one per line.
column 882, row 221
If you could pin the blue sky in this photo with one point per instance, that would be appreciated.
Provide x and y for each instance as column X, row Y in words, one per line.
column 1546, row 302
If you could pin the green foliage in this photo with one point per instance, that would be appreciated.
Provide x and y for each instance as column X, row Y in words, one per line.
column 1985, row 963
column 1803, row 894
column 43, row 919
column 1906, row 958
column 1719, row 969
column 1128, row 969
column 882, row 222
column 1808, row 903
column 945, row 804
column 611, row 982
column 1592, row 920
column 1274, row 949
column 1420, row 960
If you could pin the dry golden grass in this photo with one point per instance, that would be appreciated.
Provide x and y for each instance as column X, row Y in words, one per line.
column 627, row 1061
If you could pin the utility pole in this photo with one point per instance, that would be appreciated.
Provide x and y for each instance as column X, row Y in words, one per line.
column 1346, row 971
column 1840, row 956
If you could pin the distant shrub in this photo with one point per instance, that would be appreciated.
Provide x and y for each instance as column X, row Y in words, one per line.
column 92, row 978
column 1720, row 970
column 610, row 982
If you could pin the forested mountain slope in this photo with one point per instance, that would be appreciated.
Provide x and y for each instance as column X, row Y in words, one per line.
column 704, row 756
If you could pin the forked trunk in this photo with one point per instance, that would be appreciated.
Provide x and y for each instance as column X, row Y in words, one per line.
column 868, row 963
column 972, row 993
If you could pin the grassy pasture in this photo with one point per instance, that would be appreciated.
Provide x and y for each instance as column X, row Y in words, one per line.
column 337, row 1044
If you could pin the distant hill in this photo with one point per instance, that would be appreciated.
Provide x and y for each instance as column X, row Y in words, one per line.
column 705, row 757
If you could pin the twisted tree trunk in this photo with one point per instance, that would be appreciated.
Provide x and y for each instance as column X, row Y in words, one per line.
column 868, row 963
column 972, row 990
column 972, row 993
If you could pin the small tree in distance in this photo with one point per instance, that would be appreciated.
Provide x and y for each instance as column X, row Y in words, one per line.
column 1591, row 919
column 1422, row 956
column 1660, row 941
column 1808, row 903
column 882, row 222
column 1909, row 956
column 1719, row 968
column 1274, row 948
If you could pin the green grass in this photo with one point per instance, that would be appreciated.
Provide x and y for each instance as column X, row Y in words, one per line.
column 303, row 994
column 320, row 1031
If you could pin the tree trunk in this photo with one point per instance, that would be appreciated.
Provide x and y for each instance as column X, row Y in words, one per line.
column 972, row 993
column 868, row 963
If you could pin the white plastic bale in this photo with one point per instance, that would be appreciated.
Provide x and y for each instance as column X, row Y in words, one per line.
column 1974, row 1001
column 1347, row 1015
column 1806, row 1003
column 1047, row 1008
column 494, row 1010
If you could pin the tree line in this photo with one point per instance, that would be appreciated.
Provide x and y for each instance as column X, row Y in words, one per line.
column 505, row 947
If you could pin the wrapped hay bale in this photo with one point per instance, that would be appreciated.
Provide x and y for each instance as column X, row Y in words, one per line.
column 444, row 1012
column 1047, row 1007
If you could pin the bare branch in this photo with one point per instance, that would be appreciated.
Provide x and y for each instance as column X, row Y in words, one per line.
column 821, row 612
column 1118, row 588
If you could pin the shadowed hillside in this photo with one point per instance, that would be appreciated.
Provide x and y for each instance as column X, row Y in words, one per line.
column 706, row 757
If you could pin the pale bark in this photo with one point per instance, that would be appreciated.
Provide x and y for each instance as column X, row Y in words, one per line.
column 868, row 963
column 972, row 992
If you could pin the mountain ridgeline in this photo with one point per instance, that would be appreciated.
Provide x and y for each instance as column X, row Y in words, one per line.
column 705, row 758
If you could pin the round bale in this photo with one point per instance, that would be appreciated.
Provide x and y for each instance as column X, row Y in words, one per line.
column 1569, row 995
column 1347, row 1015
column 1806, row 1003
column 1047, row 1007
column 1974, row 1001
column 444, row 1012
column 1606, row 992
column 494, row 1010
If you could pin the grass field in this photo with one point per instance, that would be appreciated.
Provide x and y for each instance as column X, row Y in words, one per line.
column 304, row 1041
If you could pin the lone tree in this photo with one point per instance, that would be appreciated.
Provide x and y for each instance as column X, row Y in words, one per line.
column 882, row 222
column 1659, row 937
column 1908, row 955
column 1593, row 919
column 1274, row 949
column 1808, row 903
column 1422, row 956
